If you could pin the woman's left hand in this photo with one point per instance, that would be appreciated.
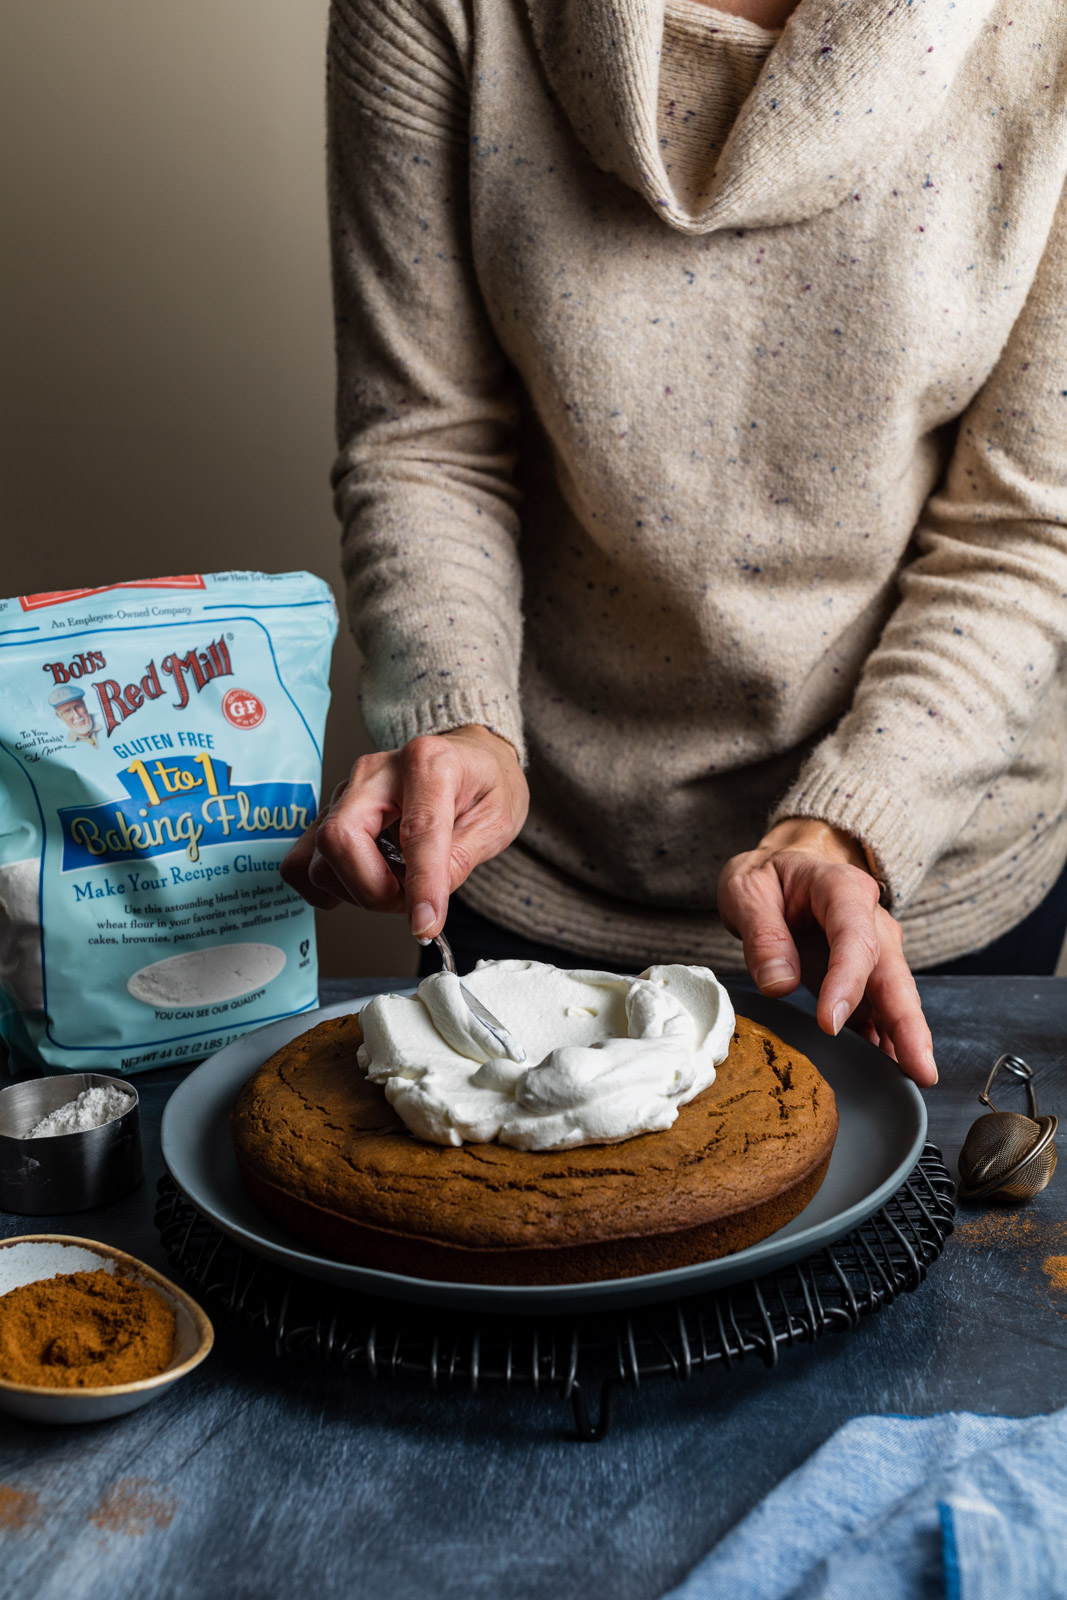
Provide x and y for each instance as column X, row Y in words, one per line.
column 805, row 907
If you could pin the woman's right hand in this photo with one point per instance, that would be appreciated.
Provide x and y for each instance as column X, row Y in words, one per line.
column 460, row 798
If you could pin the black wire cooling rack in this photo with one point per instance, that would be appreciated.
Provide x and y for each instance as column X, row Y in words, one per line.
column 567, row 1357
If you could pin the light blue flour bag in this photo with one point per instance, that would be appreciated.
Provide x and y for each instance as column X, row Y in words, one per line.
column 160, row 750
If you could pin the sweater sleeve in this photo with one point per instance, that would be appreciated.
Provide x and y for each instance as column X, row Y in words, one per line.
column 946, row 699
column 426, row 408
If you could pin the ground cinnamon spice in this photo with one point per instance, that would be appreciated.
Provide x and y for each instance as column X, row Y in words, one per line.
column 84, row 1330
column 1055, row 1270
column 1020, row 1228
column 134, row 1506
column 18, row 1508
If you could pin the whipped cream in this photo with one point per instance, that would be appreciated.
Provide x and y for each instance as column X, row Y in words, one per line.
column 607, row 1057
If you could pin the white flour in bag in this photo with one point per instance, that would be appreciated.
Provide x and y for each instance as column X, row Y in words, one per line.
column 159, row 754
column 200, row 977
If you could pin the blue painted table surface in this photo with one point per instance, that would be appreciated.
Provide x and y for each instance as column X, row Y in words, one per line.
column 260, row 1478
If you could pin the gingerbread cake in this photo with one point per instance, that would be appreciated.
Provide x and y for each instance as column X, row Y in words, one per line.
column 321, row 1151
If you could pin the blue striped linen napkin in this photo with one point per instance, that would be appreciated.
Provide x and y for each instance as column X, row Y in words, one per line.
column 963, row 1506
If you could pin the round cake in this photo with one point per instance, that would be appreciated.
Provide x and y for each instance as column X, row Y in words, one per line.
column 321, row 1151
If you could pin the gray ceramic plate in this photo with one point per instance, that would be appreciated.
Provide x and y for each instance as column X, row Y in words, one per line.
column 883, row 1127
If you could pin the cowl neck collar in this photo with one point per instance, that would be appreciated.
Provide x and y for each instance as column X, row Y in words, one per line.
column 846, row 80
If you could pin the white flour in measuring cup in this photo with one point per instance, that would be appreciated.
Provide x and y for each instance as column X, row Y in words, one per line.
column 159, row 753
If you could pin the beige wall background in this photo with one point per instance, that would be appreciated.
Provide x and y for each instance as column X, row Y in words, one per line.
column 167, row 365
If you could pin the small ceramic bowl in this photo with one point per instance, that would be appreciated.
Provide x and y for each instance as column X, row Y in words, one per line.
column 41, row 1255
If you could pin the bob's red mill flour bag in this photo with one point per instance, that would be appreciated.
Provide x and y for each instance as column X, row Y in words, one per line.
column 159, row 752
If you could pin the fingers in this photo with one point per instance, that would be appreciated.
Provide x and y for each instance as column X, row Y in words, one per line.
column 336, row 858
column 479, row 834
column 895, row 1001
column 752, row 905
column 460, row 797
column 845, row 901
column 307, row 870
column 867, row 969
column 464, row 800
column 294, row 869
column 767, row 896
column 430, row 781
column 868, row 974
column 346, row 862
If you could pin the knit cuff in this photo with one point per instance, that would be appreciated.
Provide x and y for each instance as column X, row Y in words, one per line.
column 455, row 709
column 867, row 808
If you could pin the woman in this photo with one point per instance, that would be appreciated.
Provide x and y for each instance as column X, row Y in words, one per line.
column 729, row 363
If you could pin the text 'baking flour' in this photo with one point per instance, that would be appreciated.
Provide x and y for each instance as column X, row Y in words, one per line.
column 160, row 750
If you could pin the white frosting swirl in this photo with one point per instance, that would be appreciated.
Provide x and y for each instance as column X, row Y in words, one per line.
column 607, row 1057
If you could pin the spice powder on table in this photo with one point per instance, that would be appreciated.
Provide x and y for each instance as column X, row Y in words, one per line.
column 84, row 1330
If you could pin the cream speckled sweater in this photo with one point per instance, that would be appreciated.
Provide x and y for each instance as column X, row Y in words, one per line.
column 728, row 479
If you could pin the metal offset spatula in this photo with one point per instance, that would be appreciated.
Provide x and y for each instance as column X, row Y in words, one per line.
column 509, row 1046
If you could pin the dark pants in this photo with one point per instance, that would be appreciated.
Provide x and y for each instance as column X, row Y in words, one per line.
column 1030, row 949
